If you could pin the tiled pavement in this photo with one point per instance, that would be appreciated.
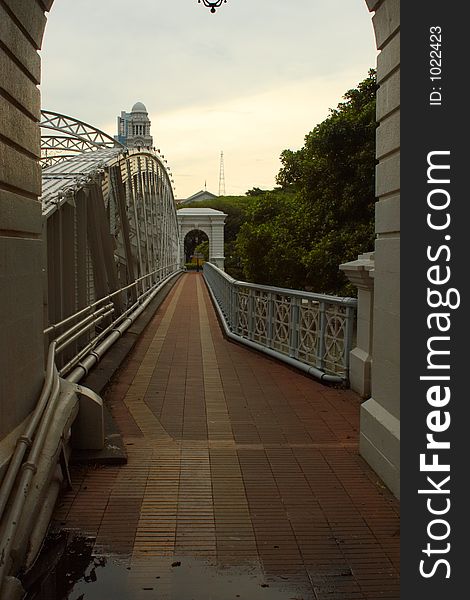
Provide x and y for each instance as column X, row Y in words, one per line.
column 243, row 480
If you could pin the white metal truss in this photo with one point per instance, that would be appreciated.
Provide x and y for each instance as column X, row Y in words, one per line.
column 112, row 236
column 70, row 135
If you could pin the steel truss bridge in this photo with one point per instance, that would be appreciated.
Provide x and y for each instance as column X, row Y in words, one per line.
column 110, row 229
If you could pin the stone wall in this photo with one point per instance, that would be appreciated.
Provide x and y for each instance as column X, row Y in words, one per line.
column 22, row 25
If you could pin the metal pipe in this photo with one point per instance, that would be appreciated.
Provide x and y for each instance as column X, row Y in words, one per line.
column 84, row 330
column 63, row 412
column 80, row 328
column 84, row 367
column 25, row 440
column 97, row 303
column 313, row 371
column 43, row 518
column 29, row 468
column 89, row 347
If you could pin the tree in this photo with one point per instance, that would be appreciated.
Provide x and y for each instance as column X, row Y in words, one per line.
column 324, row 214
column 203, row 248
column 268, row 241
column 256, row 191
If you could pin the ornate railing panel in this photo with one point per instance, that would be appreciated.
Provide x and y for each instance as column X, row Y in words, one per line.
column 314, row 329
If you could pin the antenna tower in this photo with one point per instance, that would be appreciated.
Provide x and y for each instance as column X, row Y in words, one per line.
column 222, row 176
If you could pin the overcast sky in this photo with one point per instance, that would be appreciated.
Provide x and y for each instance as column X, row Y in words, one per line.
column 250, row 80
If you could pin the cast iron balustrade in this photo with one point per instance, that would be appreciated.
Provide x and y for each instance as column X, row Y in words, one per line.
column 313, row 329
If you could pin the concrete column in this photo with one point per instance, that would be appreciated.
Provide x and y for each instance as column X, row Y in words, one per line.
column 217, row 242
column 21, row 246
column 380, row 415
column 361, row 273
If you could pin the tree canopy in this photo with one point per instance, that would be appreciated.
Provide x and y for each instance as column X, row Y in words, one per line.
column 323, row 213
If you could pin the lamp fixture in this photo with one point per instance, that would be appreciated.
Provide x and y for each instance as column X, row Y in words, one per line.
column 212, row 4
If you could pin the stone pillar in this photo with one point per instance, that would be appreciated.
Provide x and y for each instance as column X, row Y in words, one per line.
column 181, row 256
column 361, row 273
column 216, row 246
column 380, row 415
column 21, row 245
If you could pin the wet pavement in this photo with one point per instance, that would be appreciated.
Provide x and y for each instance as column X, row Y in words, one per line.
column 79, row 574
column 243, row 480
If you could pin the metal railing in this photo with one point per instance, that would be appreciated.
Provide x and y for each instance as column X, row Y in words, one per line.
column 87, row 324
column 111, row 236
column 309, row 330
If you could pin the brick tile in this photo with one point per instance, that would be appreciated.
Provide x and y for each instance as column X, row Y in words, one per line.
column 237, row 459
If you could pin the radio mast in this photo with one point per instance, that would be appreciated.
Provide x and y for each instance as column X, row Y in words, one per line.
column 222, row 176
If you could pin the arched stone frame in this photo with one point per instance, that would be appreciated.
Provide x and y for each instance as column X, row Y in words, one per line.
column 22, row 24
column 212, row 223
column 183, row 233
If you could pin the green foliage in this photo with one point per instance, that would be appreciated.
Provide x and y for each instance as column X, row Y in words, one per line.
column 203, row 248
column 323, row 214
column 191, row 241
column 190, row 266
column 268, row 241
column 256, row 191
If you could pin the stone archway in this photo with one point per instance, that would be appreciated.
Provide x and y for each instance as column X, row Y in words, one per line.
column 21, row 279
column 211, row 222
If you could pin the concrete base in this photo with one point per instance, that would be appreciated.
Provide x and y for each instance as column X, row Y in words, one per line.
column 380, row 443
column 360, row 366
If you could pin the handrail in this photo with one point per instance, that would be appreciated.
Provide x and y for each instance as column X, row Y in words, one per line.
column 313, row 332
column 287, row 291
column 38, row 425
column 96, row 303
column 91, row 316
column 116, row 332
column 25, row 440
column 34, row 437
column 115, row 325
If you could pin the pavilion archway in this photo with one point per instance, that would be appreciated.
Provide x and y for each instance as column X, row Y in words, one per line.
column 209, row 221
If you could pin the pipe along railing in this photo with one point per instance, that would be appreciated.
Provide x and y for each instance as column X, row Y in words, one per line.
column 98, row 311
column 312, row 332
column 31, row 484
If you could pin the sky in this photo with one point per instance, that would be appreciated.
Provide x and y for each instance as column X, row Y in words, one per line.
column 250, row 80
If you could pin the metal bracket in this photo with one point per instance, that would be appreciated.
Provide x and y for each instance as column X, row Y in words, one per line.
column 88, row 428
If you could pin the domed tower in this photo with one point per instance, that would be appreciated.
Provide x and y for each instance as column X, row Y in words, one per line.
column 134, row 128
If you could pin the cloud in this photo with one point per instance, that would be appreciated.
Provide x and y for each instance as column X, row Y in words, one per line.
column 252, row 130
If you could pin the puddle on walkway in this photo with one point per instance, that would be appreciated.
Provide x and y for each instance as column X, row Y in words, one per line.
column 69, row 570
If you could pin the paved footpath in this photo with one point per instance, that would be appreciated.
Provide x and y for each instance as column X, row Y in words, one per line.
column 243, row 480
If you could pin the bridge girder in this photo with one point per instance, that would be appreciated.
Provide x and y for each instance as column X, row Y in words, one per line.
column 110, row 224
column 63, row 134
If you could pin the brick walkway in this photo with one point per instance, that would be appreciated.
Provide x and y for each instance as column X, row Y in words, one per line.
column 243, row 480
